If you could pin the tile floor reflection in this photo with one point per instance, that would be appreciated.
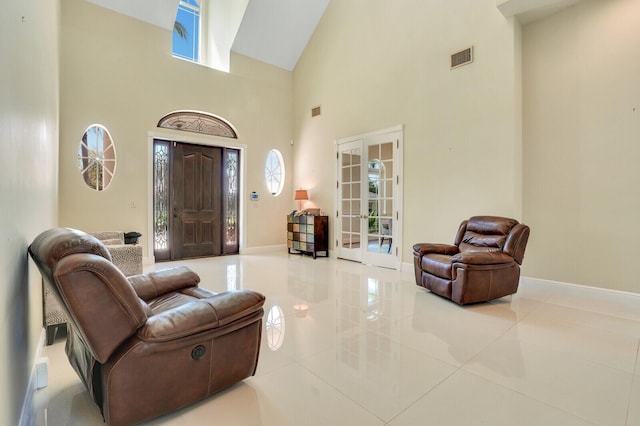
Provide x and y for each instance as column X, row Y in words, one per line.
column 348, row 344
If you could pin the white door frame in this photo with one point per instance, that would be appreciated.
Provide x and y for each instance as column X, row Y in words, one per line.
column 197, row 139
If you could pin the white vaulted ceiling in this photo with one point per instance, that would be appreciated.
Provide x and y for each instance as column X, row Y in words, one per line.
column 161, row 13
column 272, row 31
column 277, row 31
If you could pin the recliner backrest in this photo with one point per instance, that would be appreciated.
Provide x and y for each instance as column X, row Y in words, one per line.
column 484, row 233
column 49, row 247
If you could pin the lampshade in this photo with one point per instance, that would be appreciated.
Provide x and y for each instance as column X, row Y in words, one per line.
column 301, row 194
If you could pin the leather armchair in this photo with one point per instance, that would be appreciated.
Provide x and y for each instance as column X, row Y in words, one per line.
column 148, row 344
column 483, row 263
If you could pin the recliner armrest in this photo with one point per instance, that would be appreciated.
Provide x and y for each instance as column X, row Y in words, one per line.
column 482, row 258
column 201, row 315
column 424, row 248
column 153, row 284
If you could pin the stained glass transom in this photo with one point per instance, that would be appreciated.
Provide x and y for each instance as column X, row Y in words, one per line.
column 198, row 122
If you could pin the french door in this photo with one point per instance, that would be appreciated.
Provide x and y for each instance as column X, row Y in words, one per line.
column 195, row 200
column 368, row 228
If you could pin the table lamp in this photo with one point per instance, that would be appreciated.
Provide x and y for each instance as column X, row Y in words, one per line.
column 301, row 194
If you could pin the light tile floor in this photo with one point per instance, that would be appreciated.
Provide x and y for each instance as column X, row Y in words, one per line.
column 372, row 348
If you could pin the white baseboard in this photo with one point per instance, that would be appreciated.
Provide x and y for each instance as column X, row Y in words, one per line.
column 36, row 379
column 583, row 286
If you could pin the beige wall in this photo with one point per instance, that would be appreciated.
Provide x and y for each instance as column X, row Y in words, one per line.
column 582, row 144
column 28, row 183
column 373, row 64
column 119, row 72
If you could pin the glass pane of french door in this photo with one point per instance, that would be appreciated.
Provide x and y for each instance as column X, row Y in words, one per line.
column 350, row 199
column 379, row 198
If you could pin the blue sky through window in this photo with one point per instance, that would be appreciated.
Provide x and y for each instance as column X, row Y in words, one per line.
column 189, row 16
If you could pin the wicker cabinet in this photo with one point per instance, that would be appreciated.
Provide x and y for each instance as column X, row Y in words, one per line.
column 308, row 234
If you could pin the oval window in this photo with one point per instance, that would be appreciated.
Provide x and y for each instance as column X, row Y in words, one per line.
column 275, row 327
column 97, row 157
column 274, row 172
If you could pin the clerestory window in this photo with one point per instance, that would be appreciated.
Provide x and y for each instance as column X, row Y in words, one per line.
column 186, row 31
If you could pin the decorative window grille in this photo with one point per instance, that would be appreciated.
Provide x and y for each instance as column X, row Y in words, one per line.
column 231, row 242
column 274, row 172
column 198, row 122
column 97, row 157
column 161, row 195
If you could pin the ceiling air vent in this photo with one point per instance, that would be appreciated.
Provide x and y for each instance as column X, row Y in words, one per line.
column 315, row 111
column 461, row 58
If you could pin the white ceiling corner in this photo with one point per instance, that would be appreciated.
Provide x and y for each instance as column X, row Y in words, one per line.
column 530, row 10
column 277, row 31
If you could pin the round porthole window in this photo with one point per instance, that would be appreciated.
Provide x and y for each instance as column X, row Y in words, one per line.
column 97, row 157
column 274, row 172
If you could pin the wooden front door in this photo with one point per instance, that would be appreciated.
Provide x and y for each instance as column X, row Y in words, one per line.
column 197, row 201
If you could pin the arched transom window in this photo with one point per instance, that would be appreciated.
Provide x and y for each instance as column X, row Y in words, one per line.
column 198, row 122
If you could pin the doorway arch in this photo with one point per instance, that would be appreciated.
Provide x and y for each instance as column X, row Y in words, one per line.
column 198, row 122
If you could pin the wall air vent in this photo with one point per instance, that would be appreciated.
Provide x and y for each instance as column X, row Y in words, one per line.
column 315, row 111
column 461, row 58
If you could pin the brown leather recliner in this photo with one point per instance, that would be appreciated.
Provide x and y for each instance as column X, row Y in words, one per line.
column 148, row 344
column 483, row 264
